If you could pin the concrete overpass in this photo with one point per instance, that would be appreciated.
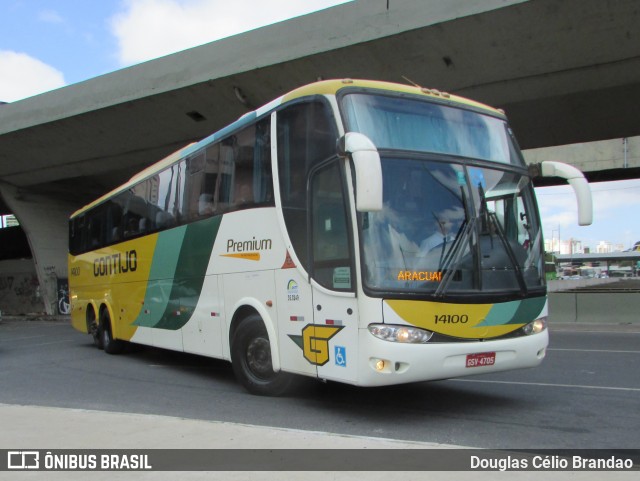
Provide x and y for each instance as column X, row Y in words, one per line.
column 600, row 160
column 566, row 71
column 630, row 258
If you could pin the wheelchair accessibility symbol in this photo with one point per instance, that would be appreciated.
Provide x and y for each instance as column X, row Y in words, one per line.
column 341, row 356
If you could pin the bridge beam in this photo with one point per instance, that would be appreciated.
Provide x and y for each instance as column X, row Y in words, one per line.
column 601, row 160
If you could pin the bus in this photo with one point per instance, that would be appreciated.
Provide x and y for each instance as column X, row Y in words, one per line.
column 356, row 231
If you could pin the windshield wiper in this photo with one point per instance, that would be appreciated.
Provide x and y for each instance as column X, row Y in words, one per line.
column 509, row 250
column 489, row 225
column 453, row 257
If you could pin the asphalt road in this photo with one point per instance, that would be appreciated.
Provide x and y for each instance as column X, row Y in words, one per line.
column 585, row 395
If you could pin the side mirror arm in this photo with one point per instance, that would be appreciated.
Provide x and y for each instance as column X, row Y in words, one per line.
column 368, row 169
column 576, row 180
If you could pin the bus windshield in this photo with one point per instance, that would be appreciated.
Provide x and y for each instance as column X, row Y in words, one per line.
column 459, row 215
column 450, row 228
column 393, row 122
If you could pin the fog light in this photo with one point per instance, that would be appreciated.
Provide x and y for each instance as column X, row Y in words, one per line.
column 535, row 327
column 379, row 365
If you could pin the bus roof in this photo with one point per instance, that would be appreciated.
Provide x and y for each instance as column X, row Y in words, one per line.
column 324, row 87
column 331, row 87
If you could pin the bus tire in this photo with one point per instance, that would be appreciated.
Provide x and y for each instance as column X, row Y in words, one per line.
column 94, row 330
column 252, row 361
column 97, row 340
column 109, row 344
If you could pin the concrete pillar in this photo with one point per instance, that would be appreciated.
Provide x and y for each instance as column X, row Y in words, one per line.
column 44, row 219
column 19, row 288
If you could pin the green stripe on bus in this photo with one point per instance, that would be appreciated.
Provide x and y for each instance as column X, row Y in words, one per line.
column 177, row 274
column 514, row 312
column 500, row 314
column 529, row 310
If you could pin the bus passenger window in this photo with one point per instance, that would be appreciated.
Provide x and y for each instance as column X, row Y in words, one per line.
column 97, row 228
column 246, row 168
column 227, row 169
column 162, row 194
column 243, row 182
column 200, row 184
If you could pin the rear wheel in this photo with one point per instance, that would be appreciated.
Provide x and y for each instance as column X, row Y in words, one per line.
column 252, row 362
column 109, row 344
column 94, row 330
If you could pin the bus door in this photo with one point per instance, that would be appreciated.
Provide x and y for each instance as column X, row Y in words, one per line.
column 332, row 341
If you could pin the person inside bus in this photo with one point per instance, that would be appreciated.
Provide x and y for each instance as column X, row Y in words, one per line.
column 442, row 234
column 131, row 228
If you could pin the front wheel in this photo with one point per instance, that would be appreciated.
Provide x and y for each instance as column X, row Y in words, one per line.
column 251, row 359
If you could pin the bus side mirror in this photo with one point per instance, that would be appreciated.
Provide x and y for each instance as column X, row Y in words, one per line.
column 576, row 180
column 368, row 168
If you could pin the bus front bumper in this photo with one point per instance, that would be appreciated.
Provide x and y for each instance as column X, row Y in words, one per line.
column 385, row 363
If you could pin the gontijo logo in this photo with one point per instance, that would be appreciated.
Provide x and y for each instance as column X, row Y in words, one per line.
column 115, row 264
column 314, row 342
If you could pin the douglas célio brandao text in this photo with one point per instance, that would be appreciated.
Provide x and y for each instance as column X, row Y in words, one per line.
column 550, row 463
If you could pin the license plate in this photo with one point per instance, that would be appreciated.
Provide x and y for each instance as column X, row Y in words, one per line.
column 481, row 359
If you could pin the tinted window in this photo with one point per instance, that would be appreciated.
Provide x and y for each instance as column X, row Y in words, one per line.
column 234, row 173
column 331, row 251
column 306, row 136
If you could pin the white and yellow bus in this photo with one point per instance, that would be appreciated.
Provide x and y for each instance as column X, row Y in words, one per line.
column 355, row 231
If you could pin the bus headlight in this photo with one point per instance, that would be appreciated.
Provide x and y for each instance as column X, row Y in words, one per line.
column 536, row 326
column 404, row 334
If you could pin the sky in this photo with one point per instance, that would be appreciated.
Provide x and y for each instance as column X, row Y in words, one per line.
column 47, row 44
column 615, row 214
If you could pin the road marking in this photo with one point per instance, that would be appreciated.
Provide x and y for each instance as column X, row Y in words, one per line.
column 595, row 350
column 577, row 386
